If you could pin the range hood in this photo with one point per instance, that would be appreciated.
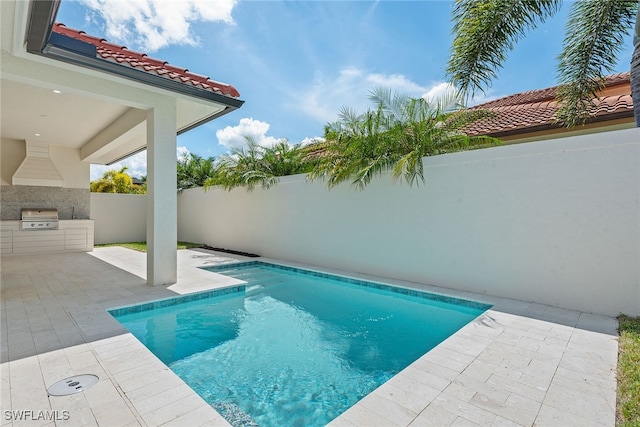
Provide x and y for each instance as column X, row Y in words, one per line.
column 37, row 168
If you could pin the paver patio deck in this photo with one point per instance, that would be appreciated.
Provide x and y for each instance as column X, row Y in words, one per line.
column 519, row 364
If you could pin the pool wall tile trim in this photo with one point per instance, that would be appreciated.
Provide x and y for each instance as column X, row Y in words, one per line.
column 167, row 302
column 366, row 283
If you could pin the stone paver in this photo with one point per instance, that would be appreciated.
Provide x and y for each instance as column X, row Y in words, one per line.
column 518, row 364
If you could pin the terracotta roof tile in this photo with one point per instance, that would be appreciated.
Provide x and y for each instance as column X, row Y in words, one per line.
column 141, row 61
column 530, row 111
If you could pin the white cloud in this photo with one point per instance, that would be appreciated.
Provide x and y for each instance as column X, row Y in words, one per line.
column 439, row 91
column 153, row 24
column 236, row 136
column 324, row 98
column 444, row 94
column 396, row 82
column 350, row 72
column 136, row 166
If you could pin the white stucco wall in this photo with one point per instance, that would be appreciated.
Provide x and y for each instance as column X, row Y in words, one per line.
column 119, row 217
column 556, row 222
column 12, row 153
column 74, row 171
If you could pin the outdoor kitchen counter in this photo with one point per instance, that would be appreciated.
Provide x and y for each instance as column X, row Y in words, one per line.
column 74, row 235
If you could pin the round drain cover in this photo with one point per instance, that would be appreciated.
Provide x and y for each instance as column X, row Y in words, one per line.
column 72, row 385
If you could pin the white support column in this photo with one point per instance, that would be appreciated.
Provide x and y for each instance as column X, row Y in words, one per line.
column 162, row 213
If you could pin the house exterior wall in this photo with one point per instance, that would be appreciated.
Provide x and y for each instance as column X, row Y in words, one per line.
column 119, row 217
column 74, row 171
column 12, row 153
column 555, row 222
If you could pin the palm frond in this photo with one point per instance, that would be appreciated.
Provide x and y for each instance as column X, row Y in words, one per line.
column 485, row 30
column 348, row 118
column 594, row 36
column 410, row 167
column 393, row 136
column 392, row 104
column 374, row 167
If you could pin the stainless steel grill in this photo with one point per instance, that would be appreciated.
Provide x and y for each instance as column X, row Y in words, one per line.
column 39, row 219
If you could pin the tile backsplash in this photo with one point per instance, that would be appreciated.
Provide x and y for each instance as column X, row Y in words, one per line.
column 68, row 201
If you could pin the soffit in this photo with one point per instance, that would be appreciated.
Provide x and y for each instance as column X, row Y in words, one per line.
column 61, row 119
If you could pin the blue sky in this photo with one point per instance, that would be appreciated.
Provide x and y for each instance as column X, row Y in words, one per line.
column 296, row 64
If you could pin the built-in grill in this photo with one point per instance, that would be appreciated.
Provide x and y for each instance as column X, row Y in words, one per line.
column 39, row 219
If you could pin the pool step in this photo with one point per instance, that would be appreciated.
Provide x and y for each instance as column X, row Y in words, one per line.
column 248, row 275
column 241, row 270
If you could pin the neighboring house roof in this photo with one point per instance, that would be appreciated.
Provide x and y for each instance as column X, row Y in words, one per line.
column 143, row 62
column 530, row 115
column 535, row 110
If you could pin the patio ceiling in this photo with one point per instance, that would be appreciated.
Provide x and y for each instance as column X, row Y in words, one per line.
column 39, row 114
column 104, row 131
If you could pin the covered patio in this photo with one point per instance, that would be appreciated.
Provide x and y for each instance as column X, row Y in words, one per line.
column 519, row 364
column 70, row 99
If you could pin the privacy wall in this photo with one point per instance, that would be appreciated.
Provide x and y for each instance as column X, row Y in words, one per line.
column 119, row 218
column 555, row 222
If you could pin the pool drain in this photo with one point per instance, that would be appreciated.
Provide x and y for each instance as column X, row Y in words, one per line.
column 72, row 385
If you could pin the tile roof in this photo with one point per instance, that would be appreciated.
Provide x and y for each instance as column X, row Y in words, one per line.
column 141, row 61
column 536, row 109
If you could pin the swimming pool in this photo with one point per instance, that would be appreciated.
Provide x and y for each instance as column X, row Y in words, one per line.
column 293, row 346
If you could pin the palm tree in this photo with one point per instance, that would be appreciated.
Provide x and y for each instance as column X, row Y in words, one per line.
column 283, row 159
column 194, row 170
column 255, row 165
column 116, row 181
column 485, row 30
column 394, row 136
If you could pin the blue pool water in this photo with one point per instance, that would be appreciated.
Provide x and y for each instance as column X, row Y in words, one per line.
column 293, row 347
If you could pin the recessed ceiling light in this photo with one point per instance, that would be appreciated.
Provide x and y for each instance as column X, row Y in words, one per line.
column 56, row 91
column 37, row 134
